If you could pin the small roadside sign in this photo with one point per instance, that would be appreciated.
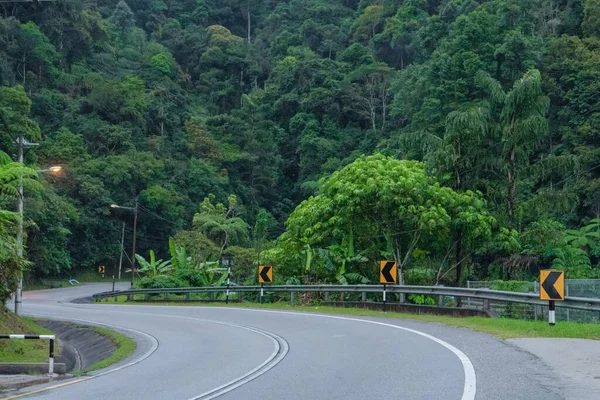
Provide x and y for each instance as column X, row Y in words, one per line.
column 552, row 288
column 552, row 284
column 388, row 272
column 265, row 274
column 101, row 269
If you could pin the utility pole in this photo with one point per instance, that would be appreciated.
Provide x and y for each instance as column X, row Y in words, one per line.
column 135, row 215
column 19, row 294
column 122, row 249
column 22, row 144
column 133, row 246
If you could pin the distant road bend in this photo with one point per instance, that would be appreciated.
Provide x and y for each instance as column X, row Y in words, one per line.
column 199, row 353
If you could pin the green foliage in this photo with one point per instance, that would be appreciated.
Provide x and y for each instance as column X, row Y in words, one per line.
column 392, row 201
column 421, row 299
column 154, row 267
column 168, row 102
column 161, row 282
column 511, row 286
column 219, row 223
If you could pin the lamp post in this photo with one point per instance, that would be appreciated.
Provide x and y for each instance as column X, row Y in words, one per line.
column 23, row 144
column 135, row 214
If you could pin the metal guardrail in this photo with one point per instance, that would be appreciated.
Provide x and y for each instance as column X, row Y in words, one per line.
column 579, row 303
column 51, row 338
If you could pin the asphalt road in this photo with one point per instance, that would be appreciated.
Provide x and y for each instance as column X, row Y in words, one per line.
column 187, row 353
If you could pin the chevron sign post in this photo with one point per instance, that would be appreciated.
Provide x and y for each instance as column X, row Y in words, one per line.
column 388, row 273
column 552, row 288
column 265, row 275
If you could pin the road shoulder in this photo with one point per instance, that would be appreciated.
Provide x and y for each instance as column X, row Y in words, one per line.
column 575, row 361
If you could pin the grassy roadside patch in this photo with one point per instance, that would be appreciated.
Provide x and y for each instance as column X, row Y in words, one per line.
column 85, row 277
column 125, row 347
column 501, row 327
column 22, row 351
column 96, row 277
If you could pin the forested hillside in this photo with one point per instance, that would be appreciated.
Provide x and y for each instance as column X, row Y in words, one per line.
column 221, row 116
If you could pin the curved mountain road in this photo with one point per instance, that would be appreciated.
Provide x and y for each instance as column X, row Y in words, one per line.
column 187, row 353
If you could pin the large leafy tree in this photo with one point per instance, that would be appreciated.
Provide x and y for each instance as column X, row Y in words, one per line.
column 519, row 120
column 390, row 202
column 220, row 224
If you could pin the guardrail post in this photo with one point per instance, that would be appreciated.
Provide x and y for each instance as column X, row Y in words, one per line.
column 326, row 295
column 402, row 297
column 39, row 337
column 187, row 296
column 292, row 300
column 262, row 292
column 486, row 304
column 51, row 358
column 441, row 301
column 364, row 297
column 567, row 294
column 468, row 298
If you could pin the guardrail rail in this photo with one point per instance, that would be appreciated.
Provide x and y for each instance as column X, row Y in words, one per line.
column 51, row 338
column 486, row 295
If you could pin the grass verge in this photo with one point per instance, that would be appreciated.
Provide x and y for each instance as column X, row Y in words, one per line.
column 125, row 347
column 503, row 328
column 95, row 276
column 22, row 351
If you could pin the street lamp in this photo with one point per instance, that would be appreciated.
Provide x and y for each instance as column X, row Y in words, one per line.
column 135, row 214
column 23, row 144
column 55, row 169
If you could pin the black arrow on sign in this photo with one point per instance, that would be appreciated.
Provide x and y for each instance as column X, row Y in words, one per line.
column 548, row 285
column 386, row 272
column 264, row 272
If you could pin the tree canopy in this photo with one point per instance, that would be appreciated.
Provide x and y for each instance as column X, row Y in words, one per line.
column 484, row 116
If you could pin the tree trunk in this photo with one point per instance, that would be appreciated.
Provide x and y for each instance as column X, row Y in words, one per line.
column 459, row 258
column 24, row 71
column 249, row 23
column 512, row 171
column 458, row 164
column 383, row 105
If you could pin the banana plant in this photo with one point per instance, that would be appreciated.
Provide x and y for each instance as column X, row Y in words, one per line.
column 343, row 256
column 179, row 258
column 209, row 275
column 154, row 267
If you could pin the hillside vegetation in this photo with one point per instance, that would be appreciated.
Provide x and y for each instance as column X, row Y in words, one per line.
column 221, row 117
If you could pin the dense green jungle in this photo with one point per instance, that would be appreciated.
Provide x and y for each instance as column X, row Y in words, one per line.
column 458, row 137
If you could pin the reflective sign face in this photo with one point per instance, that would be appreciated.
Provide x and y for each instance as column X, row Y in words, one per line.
column 388, row 272
column 265, row 274
column 552, row 285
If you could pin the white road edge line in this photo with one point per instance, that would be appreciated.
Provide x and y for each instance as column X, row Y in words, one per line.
column 470, row 387
column 281, row 348
column 138, row 360
column 279, row 353
column 275, row 358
